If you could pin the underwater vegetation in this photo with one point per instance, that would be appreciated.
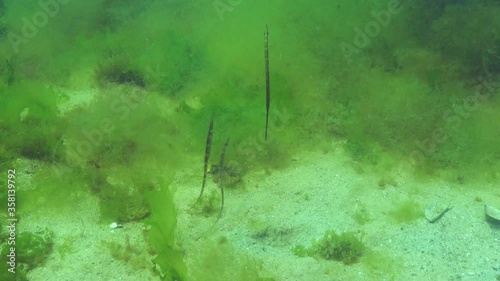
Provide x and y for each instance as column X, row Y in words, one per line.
column 407, row 212
column 160, row 233
column 362, row 215
column 231, row 175
column 209, row 204
column 32, row 249
column 120, row 252
column 211, row 264
column 102, row 147
column 430, row 81
column 119, row 72
column 381, row 265
column 149, row 115
column 346, row 247
column 29, row 123
column 129, row 252
column 475, row 46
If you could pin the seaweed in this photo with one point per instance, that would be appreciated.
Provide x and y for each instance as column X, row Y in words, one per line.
column 407, row 212
column 223, row 261
column 128, row 252
column 34, row 247
column 231, row 174
column 346, row 248
column 120, row 71
column 31, row 250
column 29, row 122
column 208, row 204
column 168, row 261
column 362, row 215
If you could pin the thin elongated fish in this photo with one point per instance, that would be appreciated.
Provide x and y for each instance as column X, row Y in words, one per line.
column 268, row 85
column 221, row 170
column 208, row 147
column 221, row 184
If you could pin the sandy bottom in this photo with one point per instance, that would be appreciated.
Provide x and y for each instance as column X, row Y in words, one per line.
column 319, row 192
column 273, row 212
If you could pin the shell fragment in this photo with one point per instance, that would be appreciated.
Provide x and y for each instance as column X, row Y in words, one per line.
column 492, row 214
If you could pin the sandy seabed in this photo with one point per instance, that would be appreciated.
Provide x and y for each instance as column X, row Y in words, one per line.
column 274, row 211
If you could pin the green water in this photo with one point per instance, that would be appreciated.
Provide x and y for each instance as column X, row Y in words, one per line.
column 113, row 100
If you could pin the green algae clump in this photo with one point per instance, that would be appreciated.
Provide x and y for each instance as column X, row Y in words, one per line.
column 407, row 212
column 346, row 247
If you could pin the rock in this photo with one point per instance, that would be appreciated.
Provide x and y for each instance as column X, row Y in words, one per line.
column 492, row 214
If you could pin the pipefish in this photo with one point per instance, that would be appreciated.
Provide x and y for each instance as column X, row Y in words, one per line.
column 208, row 147
column 221, row 180
column 268, row 85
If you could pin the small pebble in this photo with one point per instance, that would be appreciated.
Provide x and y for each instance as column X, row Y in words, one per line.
column 114, row 225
